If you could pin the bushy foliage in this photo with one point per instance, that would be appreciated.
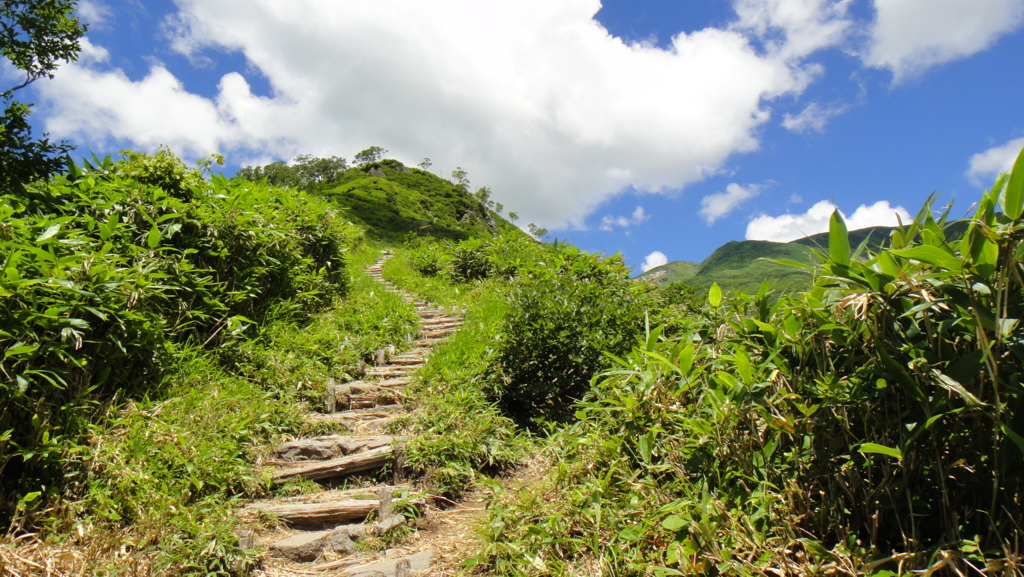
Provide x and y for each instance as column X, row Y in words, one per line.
column 870, row 426
column 565, row 313
column 107, row 266
column 307, row 172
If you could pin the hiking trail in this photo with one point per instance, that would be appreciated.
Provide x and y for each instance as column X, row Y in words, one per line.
column 319, row 533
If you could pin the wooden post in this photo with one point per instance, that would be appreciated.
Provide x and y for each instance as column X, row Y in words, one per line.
column 384, row 509
column 330, row 399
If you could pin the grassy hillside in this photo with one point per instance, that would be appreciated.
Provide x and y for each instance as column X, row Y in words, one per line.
column 394, row 202
column 675, row 271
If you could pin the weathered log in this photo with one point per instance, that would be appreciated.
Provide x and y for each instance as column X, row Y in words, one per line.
column 399, row 382
column 356, row 463
column 327, row 513
column 440, row 326
column 390, row 371
column 328, row 447
column 409, row 361
column 321, row 513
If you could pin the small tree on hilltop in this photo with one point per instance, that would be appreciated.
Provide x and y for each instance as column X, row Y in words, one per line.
column 371, row 155
column 425, row 164
column 460, row 177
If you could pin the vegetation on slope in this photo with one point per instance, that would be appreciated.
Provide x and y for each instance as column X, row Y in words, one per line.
column 869, row 426
column 392, row 202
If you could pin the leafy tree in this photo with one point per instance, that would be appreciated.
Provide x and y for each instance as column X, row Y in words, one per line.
column 425, row 164
column 312, row 171
column 371, row 155
column 307, row 172
column 460, row 177
column 536, row 231
column 35, row 35
column 513, row 216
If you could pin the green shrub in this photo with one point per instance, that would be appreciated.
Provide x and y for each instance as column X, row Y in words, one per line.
column 565, row 313
column 106, row 267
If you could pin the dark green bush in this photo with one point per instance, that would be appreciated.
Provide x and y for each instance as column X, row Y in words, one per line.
column 565, row 313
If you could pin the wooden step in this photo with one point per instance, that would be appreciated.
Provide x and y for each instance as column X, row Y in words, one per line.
column 328, row 447
column 408, row 361
column 318, row 470
column 320, row 513
column 390, row 371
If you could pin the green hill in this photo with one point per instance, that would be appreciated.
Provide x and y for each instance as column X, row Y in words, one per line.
column 743, row 265
column 394, row 202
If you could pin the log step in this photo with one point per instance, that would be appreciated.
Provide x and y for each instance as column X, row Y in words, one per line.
column 411, row 361
column 318, row 470
column 328, row 447
column 321, row 513
column 390, row 371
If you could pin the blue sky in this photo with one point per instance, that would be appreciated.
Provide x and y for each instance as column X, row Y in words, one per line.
column 659, row 128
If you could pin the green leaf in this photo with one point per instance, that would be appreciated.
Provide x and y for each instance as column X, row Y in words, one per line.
column 19, row 349
column 932, row 255
column 1013, row 198
column 816, row 549
column 881, row 450
column 646, row 446
column 838, row 239
column 153, row 238
column 49, row 232
column 673, row 523
column 1016, row 438
column 715, row 295
column 631, row 533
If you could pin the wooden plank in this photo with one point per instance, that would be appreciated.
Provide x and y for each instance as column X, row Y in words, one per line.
column 357, row 463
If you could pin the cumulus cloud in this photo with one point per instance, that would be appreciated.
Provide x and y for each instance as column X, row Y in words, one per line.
column 654, row 260
column 910, row 36
column 789, row 227
column 814, row 117
column 534, row 98
column 608, row 223
column 986, row 165
column 795, row 28
column 715, row 206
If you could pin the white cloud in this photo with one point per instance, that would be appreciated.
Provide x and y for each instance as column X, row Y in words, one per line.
column 610, row 222
column 910, row 36
column 715, row 206
column 654, row 260
column 986, row 165
column 795, row 199
column 534, row 98
column 789, row 227
column 94, row 13
column 795, row 28
column 814, row 117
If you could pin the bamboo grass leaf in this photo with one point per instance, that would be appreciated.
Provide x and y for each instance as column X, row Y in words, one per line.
column 1013, row 198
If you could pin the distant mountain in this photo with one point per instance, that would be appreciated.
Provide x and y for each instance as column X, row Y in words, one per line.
column 743, row 265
